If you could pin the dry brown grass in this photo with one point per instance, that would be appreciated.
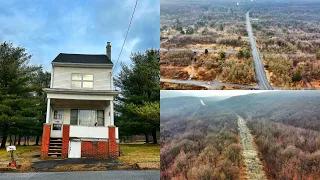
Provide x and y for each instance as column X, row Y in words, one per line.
column 233, row 88
column 208, row 56
column 135, row 153
column 315, row 84
column 81, row 167
column 24, row 156
column 149, row 165
column 173, row 86
column 205, row 74
column 178, row 58
column 173, row 72
column 211, row 46
column 239, row 71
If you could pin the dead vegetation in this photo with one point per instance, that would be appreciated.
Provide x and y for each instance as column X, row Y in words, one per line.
column 207, row 27
column 173, row 72
column 177, row 58
column 239, row 71
column 280, row 67
column 173, row 86
column 289, row 38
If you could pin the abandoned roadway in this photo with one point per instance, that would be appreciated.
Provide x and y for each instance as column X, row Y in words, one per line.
column 84, row 175
column 253, row 165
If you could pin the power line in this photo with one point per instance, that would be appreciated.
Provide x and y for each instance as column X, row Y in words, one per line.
column 125, row 38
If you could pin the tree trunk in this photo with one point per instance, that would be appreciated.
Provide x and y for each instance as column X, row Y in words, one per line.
column 15, row 139
column 154, row 136
column 10, row 139
column 4, row 139
column 19, row 140
column 25, row 141
column 37, row 141
column 147, row 138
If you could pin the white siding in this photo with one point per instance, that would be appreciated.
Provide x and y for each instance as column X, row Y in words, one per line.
column 66, row 116
column 88, row 132
column 62, row 77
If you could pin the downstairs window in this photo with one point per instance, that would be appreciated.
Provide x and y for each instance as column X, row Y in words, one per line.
column 87, row 117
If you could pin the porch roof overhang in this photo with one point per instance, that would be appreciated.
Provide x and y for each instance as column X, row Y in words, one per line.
column 81, row 94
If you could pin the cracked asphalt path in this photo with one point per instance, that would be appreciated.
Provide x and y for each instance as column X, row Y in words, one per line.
column 253, row 164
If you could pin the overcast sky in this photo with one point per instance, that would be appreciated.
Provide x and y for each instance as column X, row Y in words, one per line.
column 205, row 93
column 47, row 27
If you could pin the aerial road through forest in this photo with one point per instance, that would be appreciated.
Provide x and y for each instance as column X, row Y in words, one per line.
column 253, row 164
column 258, row 65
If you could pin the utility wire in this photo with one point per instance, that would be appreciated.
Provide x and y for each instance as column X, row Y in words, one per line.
column 125, row 38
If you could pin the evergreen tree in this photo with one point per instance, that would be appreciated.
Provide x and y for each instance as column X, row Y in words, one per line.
column 140, row 95
column 18, row 105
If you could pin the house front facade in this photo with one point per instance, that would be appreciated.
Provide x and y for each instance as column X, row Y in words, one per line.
column 80, row 117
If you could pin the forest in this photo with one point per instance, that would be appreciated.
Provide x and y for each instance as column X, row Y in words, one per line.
column 288, row 35
column 202, row 141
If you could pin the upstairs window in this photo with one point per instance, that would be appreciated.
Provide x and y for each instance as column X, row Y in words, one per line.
column 82, row 80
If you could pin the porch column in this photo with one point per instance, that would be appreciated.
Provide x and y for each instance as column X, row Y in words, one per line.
column 111, row 114
column 48, row 111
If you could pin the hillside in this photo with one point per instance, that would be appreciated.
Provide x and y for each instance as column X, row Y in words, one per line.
column 285, row 127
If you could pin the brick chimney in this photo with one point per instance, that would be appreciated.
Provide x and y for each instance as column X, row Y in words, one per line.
column 108, row 50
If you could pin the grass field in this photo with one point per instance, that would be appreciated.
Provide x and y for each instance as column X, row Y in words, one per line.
column 130, row 153
column 146, row 155
column 135, row 153
column 21, row 152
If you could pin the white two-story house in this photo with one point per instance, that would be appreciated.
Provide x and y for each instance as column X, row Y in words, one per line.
column 80, row 117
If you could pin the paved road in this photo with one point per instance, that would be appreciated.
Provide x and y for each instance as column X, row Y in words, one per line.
column 212, row 84
column 84, row 175
column 258, row 65
column 231, row 51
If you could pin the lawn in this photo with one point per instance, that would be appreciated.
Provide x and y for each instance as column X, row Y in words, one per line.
column 135, row 153
column 146, row 156
column 22, row 151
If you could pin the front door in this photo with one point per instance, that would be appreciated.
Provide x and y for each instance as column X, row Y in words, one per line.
column 74, row 149
column 56, row 128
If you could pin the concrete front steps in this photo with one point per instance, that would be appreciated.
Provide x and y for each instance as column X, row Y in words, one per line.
column 55, row 147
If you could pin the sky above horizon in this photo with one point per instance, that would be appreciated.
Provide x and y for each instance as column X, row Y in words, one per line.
column 47, row 28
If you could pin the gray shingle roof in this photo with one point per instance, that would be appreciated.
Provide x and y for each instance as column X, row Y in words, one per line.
column 83, row 58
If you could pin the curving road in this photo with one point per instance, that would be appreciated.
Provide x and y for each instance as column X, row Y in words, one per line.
column 258, row 65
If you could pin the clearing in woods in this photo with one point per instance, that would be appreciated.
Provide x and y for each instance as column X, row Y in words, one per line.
column 253, row 164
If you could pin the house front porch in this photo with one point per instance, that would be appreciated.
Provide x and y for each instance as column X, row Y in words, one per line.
column 79, row 127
